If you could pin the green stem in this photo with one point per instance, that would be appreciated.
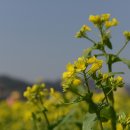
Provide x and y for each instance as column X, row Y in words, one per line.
column 100, row 122
column 89, row 39
column 97, row 112
column 45, row 115
column 109, row 67
column 111, row 93
column 47, row 121
column 35, row 127
column 101, row 31
column 105, row 95
column 122, row 48
column 86, row 82
column 124, row 127
column 101, row 126
column 75, row 92
column 113, row 119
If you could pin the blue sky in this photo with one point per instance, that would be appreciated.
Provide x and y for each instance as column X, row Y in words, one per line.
column 37, row 36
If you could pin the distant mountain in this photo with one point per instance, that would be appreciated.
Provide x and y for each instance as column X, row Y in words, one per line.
column 55, row 84
column 9, row 84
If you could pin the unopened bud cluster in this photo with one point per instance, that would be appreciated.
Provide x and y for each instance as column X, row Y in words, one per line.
column 35, row 93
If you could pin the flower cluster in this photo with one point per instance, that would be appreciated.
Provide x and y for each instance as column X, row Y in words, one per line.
column 103, row 19
column 82, row 32
column 35, row 93
column 124, row 120
column 127, row 35
column 117, row 81
column 98, row 19
column 111, row 23
column 107, row 79
column 83, row 66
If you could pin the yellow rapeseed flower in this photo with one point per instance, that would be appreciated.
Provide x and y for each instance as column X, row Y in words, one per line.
column 119, row 127
column 108, row 24
column 119, row 79
column 26, row 94
column 28, row 88
column 113, row 22
column 95, row 66
column 70, row 67
column 85, row 28
column 67, row 74
column 34, row 88
column 91, row 60
column 80, row 64
column 127, row 35
column 96, row 19
column 70, row 71
column 105, row 76
column 52, row 91
column 105, row 17
column 76, row 82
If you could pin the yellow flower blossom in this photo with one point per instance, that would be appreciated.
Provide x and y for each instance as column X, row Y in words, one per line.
column 97, row 97
column 99, row 19
column 82, row 31
column 76, row 82
column 119, row 79
column 119, row 127
column 105, row 17
column 85, row 28
column 113, row 22
column 108, row 24
column 95, row 19
column 91, row 60
column 70, row 67
column 95, row 66
column 70, row 71
column 127, row 35
column 26, row 94
column 32, row 92
column 105, row 76
column 67, row 75
column 80, row 64
column 34, row 88
column 52, row 91
column 28, row 88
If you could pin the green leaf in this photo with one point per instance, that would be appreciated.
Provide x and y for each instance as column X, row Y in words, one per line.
column 89, row 121
column 108, row 43
column 98, row 46
column 106, row 112
column 126, row 61
column 63, row 120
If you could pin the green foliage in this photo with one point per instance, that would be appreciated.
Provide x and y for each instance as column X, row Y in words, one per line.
column 89, row 121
